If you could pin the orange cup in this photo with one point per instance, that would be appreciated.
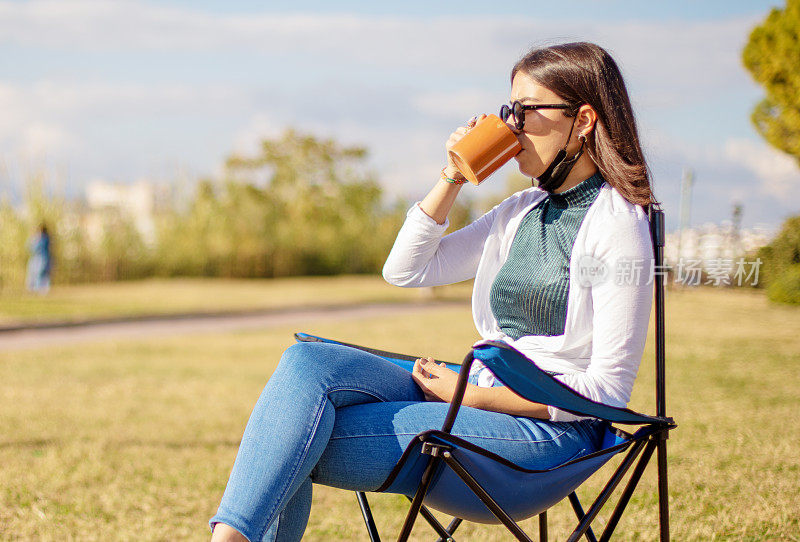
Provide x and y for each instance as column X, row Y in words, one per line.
column 485, row 148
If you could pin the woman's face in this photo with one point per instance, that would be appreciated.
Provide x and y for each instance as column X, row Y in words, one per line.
column 545, row 130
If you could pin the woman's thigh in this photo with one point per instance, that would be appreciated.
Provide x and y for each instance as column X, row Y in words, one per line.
column 368, row 439
column 343, row 374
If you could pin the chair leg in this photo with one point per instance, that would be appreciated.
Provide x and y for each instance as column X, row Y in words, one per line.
column 434, row 523
column 487, row 499
column 543, row 526
column 451, row 529
column 663, row 494
column 576, row 506
column 601, row 499
column 633, row 481
column 416, row 503
column 366, row 513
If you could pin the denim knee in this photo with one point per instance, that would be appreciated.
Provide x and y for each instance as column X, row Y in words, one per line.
column 323, row 361
column 345, row 374
column 303, row 357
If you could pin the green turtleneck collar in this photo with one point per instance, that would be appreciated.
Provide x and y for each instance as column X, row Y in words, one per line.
column 582, row 194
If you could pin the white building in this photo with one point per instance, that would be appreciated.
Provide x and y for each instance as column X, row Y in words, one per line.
column 714, row 241
column 137, row 202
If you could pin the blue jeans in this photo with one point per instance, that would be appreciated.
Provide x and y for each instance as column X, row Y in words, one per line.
column 341, row 417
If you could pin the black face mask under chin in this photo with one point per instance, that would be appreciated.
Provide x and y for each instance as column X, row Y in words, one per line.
column 556, row 173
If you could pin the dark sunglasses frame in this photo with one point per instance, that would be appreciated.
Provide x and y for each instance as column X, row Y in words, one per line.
column 518, row 110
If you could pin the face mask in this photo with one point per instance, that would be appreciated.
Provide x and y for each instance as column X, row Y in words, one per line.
column 556, row 173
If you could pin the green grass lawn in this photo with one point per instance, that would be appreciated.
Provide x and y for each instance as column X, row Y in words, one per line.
column 171, row 296
column 135, row 439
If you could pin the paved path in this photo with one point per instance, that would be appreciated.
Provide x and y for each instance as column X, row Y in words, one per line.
column 60, row 334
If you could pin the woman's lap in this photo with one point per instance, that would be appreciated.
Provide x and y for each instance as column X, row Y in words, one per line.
column 370, row 435
column 343, row 417
column 368, row 439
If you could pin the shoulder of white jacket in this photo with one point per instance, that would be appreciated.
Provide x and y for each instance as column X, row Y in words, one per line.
column 619, row 207
column 523, row 198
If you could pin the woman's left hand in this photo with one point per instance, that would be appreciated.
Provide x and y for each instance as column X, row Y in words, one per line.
column 437, row 382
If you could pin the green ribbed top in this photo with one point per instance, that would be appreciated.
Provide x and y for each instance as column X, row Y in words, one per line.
column 529, row 294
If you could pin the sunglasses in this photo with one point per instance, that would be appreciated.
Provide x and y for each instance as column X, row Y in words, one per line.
column 518, row 111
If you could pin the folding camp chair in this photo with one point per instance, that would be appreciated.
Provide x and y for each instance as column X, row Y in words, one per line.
column 446, row 473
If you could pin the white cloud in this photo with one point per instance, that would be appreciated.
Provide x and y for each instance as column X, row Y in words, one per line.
column 64, row 99
column 39, row 139
column 432, row 77
column 674, row 59
column 778, row 173
column 733, row 170
column 26, row 133
column 669, row 64
column 47, row 118
column 453, row 105
column 261, row 126
column 661, row 54
column 131, row 25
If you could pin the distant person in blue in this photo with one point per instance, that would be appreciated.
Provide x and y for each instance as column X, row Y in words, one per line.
column 40, row 263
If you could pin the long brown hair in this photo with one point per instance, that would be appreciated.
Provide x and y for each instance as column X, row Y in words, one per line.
column 584, row 73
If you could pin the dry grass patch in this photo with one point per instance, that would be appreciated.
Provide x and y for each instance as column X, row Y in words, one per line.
column 171, row 296
column 134, row 440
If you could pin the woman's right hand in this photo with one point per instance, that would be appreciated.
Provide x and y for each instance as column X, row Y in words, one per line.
column 451, row 170
column 440, row 199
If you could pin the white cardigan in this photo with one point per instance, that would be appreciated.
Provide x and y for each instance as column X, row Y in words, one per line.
column 607, row 316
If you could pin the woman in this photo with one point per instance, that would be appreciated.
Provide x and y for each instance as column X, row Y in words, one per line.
column 341, row 417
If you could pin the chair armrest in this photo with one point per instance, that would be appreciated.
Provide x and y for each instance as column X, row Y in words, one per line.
column 458, row 394
column 522, row 376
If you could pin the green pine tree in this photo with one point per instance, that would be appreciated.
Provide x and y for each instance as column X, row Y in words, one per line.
column 772, row 55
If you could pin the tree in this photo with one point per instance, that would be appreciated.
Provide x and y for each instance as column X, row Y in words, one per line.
column 327, row 214
column 781, row 263
column 772, row 55
column 300, row 206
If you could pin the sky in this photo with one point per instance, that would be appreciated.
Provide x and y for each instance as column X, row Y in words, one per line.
column 126, row 89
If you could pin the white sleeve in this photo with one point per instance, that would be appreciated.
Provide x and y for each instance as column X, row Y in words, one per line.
column 621, row 315
column 422, row 257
